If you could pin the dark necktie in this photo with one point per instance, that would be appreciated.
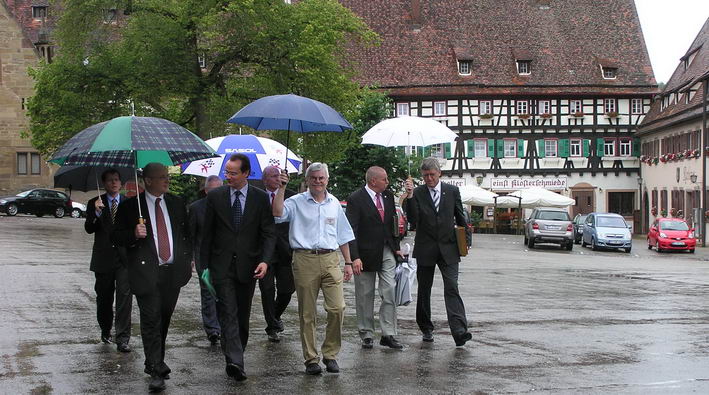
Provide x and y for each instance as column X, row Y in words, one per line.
column 163, row 240
column 273, row 196
column 436, row 198
column 114, row 209
column 380, row 208
column 236, row 210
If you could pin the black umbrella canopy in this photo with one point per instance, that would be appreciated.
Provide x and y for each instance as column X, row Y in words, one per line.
column 86, row 178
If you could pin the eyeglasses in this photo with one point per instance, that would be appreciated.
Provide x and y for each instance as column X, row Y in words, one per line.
column 231, row 173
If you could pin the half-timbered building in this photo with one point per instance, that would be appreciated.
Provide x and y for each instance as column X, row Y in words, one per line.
column 540, row 92
column 671, row 138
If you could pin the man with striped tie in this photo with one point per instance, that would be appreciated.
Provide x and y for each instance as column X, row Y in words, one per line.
column 435, row 208
column 108, row 262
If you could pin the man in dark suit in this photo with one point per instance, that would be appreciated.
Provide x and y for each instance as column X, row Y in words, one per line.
column 237, row 247
column 159, row 262
column 277, row 287
column 108, row 262
column 371, row 213
column 436, row 208
column 196, row 220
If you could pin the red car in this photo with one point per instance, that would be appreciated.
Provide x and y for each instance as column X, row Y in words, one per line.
column 671, row 234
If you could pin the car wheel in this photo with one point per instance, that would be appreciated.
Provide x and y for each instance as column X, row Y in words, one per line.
column 649, row 246
column 577, row 241
column 530, row 243
column 583, row 243
column 569, row 246
column 59, row 212
column 76, row 213
column 11, row 210
column 526, row 240
column 628, row 249
column 594, row 247
column 691, row 251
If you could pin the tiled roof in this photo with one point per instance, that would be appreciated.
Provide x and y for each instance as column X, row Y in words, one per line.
column 681, row 80
column 565, row 40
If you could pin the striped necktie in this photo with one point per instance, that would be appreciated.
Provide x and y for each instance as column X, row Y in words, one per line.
column 114, row 209
column 436, row 199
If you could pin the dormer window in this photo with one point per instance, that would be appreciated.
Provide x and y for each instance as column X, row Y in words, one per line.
column 609, row 73
column 689, row 58
column 464, row 67
column 39, row 12
column 524, row 67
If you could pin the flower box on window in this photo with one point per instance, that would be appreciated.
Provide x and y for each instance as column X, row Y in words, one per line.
column 523, row 116
column 546, row 115
column 486, row 116
column 578, row 114
column 663, row 212
column 673, row 211
column 653, row 211
column 612, row 114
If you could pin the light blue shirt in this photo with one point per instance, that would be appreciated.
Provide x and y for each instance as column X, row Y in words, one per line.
column 315, row 225
column 242, row 197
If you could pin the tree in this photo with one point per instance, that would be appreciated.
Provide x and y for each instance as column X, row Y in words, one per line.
column 150, row 59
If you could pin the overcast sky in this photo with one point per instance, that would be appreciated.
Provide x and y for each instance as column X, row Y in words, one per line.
column 669, row 27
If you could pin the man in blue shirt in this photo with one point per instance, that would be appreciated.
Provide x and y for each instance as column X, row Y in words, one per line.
column 318, row 227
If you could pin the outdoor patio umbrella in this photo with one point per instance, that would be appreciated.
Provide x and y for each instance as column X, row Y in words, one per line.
column 134, row 142
column 262, row 152
column 292, row 113
column 407, row 131
column 476, row 196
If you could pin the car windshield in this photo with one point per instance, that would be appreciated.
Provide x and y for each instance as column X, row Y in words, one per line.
column 673, row 225
column 23, row 194
column 553, row 216
column 582, row 219
column 611, row 222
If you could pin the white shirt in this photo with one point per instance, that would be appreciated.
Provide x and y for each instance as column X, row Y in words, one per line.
column 150, row 200
column 373, row 195
column 438, row 191
column 242, row 198
column 272, row 195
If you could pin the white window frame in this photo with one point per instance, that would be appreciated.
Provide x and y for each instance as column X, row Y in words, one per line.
column 610, row 105
column 551, row 148
column 609, row 73
column 522, row 107
column 544, row 107
column 625, row 146
column 509, row 148
column 576, row 147
column 609, row 147
column 575, row 106
column 485, row 107
column 464, row 67
column 480, row 148
column 524, row 67
column 439, row 105
column 202, row 60
column 402, row 109
column 636, row 106
column 437, row 151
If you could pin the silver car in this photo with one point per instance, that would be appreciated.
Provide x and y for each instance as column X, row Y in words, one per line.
column 549, row 225
column 606, row 230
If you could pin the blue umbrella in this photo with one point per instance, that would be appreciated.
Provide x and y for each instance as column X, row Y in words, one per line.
column 290, row 112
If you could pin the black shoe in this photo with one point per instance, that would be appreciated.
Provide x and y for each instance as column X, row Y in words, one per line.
column 367, row 343
column 279, row 326
column 273, row 337
column 427, row 336
column 313, row 369
column 123, row 347
column 165, row 374
column 106, row 338
column 157, row 383
column 390, row 342
column 214, row 338
column 235, row 371
column 462, row 339
column 331, row 365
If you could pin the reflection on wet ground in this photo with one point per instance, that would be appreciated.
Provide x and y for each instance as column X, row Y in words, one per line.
column 542, row 320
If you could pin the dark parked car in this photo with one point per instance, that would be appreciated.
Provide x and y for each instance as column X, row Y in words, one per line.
column 38, row 202
column 578, row 222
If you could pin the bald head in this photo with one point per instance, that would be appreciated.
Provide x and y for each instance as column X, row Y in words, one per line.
column 156, row 179
column 377, row 179
column 271, row 177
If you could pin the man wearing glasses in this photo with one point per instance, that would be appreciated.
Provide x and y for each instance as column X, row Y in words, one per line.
column 318, row 227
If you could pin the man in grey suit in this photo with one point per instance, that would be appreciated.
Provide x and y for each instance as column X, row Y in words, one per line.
column 197, row 210
column 371, row 213
column 435, row 208
column 108, row 262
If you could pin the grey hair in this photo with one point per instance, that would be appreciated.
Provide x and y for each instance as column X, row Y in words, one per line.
column 317, row 166
column 211, row 179
column 373, row 172
column 430, row 164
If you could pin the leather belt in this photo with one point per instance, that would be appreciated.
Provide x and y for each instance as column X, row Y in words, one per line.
column 314, row 252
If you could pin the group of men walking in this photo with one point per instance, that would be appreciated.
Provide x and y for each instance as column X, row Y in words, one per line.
column 286, row 242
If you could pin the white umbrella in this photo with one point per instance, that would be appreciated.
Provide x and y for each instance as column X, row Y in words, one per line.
column 406, row 131
column 476, row 196
column 534, row 197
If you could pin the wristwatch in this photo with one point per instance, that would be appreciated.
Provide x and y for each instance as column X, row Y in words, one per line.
column 348, row 263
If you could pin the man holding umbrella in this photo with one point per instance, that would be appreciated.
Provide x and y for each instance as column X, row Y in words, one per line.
column 159, row 262
column 108, row 262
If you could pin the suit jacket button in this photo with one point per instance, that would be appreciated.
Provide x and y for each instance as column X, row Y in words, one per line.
column 142, row 262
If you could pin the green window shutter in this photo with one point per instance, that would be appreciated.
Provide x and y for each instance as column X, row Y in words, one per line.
column 500, row 148
column 426, row 152
column 540, row 148
column 599, row 147
column 564, row 148
column 419, row 151
column 471, row 148
column 447, row 150
column 520, row 148
column 636, row 147
column 586, row 148
column 490, row 148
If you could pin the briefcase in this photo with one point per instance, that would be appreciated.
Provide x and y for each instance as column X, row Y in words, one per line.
column 461, row 239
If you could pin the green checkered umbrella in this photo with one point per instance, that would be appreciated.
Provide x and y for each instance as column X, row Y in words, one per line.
column 133, row 142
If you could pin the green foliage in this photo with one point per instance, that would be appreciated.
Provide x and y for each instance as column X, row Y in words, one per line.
column 186, row 186
column 475, row 218
column 150, row 58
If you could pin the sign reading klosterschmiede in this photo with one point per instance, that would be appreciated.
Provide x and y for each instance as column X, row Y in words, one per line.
column 459, row 182
column 513, row 183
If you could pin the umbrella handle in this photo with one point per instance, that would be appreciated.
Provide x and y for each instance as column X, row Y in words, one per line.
column 137, row 195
